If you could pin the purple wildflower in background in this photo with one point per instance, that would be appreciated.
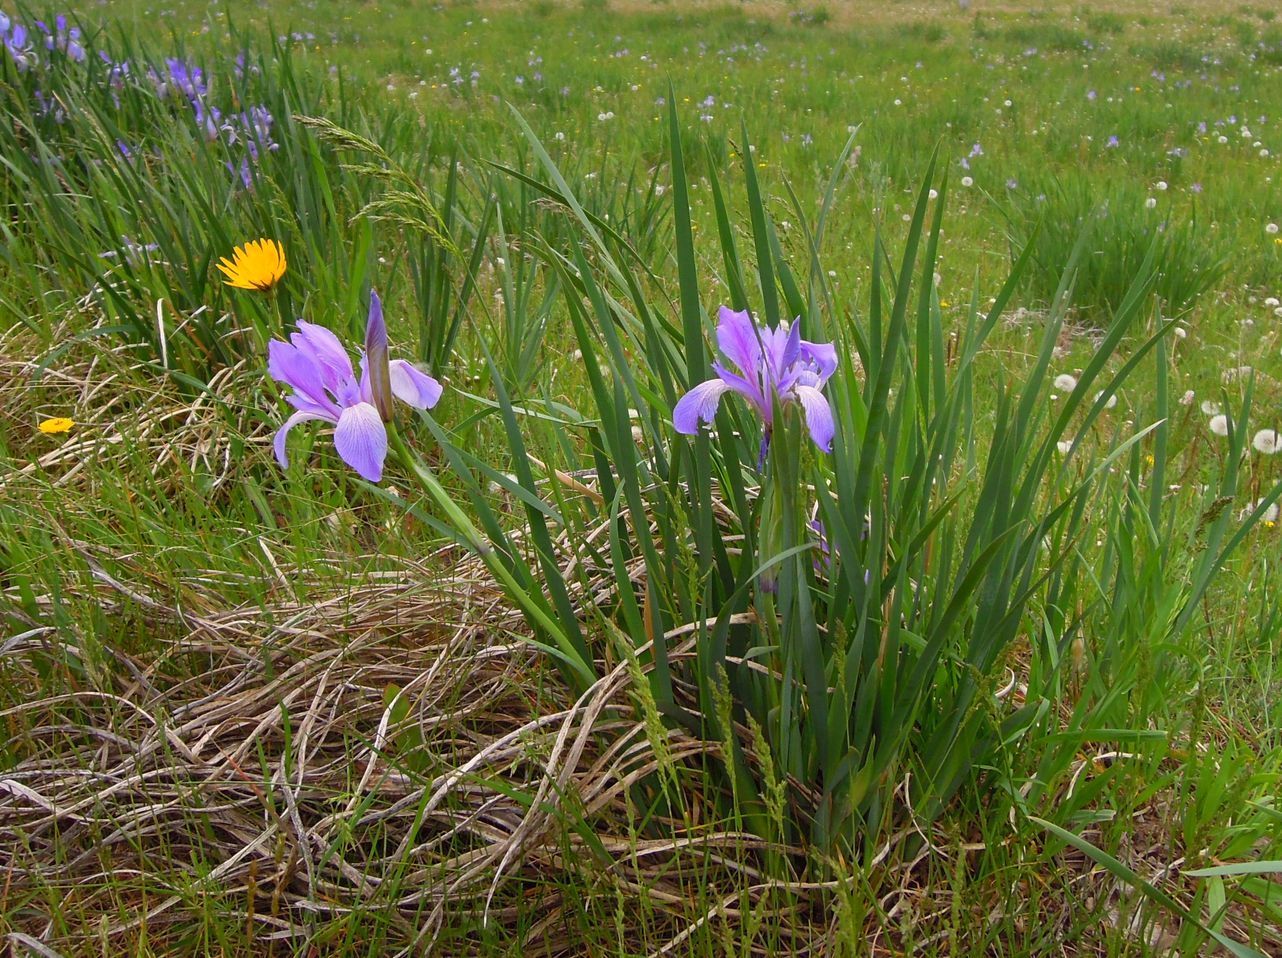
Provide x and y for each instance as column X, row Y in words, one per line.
column 208, row 118
column 244, row 171
column 186, row 79
column 316, row 366
column 14, row 36
column 772, row 364
column 63, row 38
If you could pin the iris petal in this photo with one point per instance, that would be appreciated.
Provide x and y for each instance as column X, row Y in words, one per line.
column 822, row 355
column 296, row 367
column 739, row 339
column 279, row 442
column 413, row 386
column 699, row 404
column 361, row 440
column 326, row 349
column 819, row 418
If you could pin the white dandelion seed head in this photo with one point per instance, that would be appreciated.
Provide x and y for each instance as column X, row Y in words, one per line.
column 1219, row 425
column 1271, row 302
column 1112, row 400
column 1181, row 332
column 1161, row 185
column 1187, row 398
column 1271, row 228
column 1150, row 203
column 1065, row 382
column 1064, row 446
column 1267, row 441
column 967, row 181
column 1278, row 312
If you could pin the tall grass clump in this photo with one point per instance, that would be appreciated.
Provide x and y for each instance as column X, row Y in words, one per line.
column 788, row 580
column 1121, row 231
column 863, row 634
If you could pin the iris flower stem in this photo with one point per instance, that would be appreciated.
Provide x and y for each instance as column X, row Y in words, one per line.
column 472, row 537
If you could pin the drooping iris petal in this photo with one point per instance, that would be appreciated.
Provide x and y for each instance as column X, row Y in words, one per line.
column 303, row 404
column 412, row 386
column 750, row 391
column 699, row 404
column 361, row 440
column 818, row 415
column 279, row 442
column 823, row 356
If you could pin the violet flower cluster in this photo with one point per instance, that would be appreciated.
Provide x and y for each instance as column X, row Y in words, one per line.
column 21, row 46
column 249, row 130
column 315, row 365
column 247, row 134
column 771, row 366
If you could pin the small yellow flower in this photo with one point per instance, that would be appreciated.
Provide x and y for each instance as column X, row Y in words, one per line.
column 259, row 264
column 943, row 304
column 1268, row 524
column 56, row 425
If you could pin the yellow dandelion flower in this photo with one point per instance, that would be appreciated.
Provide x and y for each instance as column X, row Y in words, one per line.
column 56, row 425
column 259, row 264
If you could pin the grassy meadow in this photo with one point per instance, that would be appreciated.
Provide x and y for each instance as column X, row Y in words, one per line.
column 956, row 638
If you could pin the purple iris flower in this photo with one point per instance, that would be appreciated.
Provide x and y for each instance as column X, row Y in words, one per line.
column 207, row 118
column 63, row 38
column 771, row 364
column 15, row 41
column 188, row 80
column 316, row 366
column 244, row 171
